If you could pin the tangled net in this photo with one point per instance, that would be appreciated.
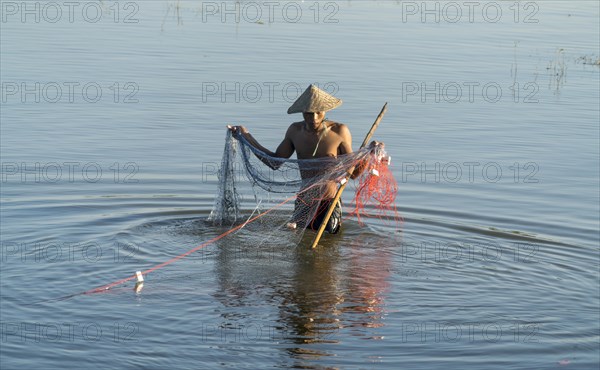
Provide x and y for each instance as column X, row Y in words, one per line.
column 289, row 193
column 280, row 200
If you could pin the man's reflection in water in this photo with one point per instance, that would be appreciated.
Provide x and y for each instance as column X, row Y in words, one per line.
column 339, row 286
column 319, row 294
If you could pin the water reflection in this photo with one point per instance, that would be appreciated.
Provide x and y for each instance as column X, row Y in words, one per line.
column 317, row 293
column 369, row 271
column 174, row 9
column 557, row 71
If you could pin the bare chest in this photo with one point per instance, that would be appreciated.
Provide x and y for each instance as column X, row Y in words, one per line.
column 310, row 145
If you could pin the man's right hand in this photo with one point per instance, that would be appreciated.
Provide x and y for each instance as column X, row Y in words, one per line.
column 237, row 130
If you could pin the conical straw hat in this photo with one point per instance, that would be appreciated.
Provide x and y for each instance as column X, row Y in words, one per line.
column 314, row 100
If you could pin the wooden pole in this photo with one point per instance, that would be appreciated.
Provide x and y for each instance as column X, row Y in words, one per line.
column 343, row 186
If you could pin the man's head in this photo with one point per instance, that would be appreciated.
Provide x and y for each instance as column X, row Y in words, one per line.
column 313, row 119
column 314, row 101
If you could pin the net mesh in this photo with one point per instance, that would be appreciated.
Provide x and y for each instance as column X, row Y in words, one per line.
column 279, row 199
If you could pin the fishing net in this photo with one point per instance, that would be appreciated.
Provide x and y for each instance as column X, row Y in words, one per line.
column 277, row 200
column 265, row 203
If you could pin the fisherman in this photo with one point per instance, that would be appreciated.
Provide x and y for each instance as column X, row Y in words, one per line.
column 313, row 137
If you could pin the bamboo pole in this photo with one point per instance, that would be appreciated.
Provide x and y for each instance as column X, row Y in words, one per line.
column 343, row 186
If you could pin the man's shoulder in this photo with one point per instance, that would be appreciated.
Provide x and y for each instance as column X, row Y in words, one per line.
column 337, row 127
column 295, row 127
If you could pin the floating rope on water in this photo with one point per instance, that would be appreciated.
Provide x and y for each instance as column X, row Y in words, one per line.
column 183, row 255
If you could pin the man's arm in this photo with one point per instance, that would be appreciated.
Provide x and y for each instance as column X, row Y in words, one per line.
column 346, row 148
column 284, row 150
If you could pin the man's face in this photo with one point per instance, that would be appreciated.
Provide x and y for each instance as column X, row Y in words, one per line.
column 313, row 119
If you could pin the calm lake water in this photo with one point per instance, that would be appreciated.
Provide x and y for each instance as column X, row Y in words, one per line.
column 113, row 118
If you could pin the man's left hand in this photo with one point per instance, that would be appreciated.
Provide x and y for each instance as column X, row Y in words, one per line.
column 375, row 144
